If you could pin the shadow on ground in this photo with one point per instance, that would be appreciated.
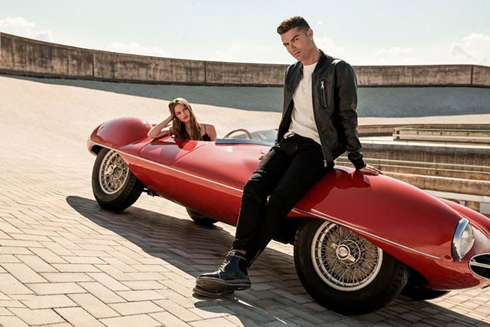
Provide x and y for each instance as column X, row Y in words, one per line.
column 277, row 296
column 245, row 98
column 380, row 102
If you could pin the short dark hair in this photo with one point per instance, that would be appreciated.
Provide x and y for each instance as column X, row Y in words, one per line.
column 292, row 22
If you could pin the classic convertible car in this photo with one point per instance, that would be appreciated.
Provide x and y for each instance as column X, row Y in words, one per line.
column 359, row 240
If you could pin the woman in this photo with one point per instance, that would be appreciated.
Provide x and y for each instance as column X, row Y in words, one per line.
column 184, row 124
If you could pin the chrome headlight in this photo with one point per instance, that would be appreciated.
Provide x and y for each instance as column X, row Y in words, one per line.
column 463, row 239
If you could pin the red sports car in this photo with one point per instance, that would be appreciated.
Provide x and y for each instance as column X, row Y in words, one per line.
column 359, row 240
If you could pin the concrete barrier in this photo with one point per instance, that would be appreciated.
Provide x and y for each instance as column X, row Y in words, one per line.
column 41, row 58
column 227, row 73
column 126, row 67
column 428, row 153
column 388, row 130
column 24, row 56
column 447, row 75
column 481, row 76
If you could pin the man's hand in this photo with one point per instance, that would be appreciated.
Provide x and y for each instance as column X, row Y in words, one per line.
column 370, row 170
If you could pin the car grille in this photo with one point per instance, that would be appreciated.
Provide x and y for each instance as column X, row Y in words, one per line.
column 480, row 265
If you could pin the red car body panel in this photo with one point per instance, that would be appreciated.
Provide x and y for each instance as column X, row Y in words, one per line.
column 406, row 222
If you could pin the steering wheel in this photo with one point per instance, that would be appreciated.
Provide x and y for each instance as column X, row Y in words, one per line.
column 249, row 135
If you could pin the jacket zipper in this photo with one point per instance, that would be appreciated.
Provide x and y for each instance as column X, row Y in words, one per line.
column 324, row 101
column 322, row 83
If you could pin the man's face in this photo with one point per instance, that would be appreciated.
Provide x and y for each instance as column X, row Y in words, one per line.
column 299, row 43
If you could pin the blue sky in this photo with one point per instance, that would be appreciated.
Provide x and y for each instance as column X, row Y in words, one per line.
column 363, row 32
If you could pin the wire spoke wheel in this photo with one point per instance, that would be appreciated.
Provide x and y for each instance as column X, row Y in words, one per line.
column 344, row 271
column 113, row 173
column 343, row 259
column 115, row 187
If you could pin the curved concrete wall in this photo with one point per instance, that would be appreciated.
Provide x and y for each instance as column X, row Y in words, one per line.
column 31, row 57
column 414, row 75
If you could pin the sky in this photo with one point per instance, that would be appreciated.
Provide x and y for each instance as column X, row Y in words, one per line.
column 362, row 32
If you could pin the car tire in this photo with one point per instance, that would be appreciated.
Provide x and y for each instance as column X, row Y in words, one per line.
column 353, row 276
column 114, row 186
column 420, row 293
column 200, row 219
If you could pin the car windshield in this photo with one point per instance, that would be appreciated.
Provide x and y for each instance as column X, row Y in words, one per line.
column 265, row 137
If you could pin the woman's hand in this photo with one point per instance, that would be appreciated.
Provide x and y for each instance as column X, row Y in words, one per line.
column 157, row 131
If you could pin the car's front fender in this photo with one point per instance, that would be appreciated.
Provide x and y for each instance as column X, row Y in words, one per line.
column 385, row 207
column 406, row 222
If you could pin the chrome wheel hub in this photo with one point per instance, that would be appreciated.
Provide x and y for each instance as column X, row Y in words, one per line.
column 343, row 259
column 113, row 173
column 342, row 252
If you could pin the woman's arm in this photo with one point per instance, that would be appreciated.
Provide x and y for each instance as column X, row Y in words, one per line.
column 157, row 131
column 211, row 132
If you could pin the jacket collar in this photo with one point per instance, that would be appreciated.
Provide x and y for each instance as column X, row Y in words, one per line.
column 320, row 65
column 322, row 62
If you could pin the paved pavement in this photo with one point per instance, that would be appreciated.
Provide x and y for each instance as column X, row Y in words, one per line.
column 64, row 261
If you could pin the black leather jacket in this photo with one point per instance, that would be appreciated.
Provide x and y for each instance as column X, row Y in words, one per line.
column 334, row 89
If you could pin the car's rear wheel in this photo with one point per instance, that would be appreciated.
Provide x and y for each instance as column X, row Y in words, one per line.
column 113, row 184
column 200, row 219
column 343, row 271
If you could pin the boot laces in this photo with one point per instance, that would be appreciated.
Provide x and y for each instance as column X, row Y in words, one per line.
column 226, row 258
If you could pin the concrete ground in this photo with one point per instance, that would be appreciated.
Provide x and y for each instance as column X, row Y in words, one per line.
column 64, row 261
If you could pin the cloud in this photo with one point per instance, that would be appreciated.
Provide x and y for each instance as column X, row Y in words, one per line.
column 44, row 36
column 471, row 49
column 319, row 22
column 394, row 56
column 136, row 48
column 17, row 25
column 328, row 45
column 458, row 51
column 395, row 51
column 22, row 27
column 244, row 52
column 474, row 48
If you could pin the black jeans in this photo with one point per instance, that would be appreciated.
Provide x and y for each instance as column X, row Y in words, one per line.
column 286, row 173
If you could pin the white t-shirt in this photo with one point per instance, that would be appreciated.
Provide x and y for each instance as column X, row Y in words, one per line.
column 302, row 118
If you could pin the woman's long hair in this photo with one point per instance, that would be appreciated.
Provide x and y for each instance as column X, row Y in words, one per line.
column 179, row 127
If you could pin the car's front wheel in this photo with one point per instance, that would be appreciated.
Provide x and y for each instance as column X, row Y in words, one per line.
column 113, row 184
column 420, row 293
column 343, row 271
column 200, row 219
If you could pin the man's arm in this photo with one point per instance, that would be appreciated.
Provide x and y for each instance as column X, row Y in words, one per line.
column 284, row 109
column 347, row 93
column 347, row 88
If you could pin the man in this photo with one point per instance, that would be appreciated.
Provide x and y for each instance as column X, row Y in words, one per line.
column 319, row 123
